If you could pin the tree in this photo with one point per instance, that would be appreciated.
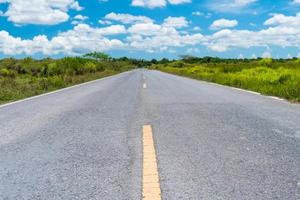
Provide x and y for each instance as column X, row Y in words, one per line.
column 99, row 56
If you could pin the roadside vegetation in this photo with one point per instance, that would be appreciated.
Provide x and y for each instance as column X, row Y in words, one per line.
column 21, row 78
column 277, row 77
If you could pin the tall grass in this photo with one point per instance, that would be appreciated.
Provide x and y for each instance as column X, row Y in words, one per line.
column 28, row 77
column 271, row 77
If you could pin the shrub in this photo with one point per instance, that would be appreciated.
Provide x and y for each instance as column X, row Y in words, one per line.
column 89, row 67
column 4, row 72
column 7, row 73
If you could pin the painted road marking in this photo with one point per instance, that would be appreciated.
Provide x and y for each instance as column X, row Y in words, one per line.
column 276, row 98
column 249, row 91
column 151, row 185
column 144, row 85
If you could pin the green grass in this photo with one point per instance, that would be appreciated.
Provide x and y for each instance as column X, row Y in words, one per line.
column 28, row 77
column 24, row 86
column 269, row 77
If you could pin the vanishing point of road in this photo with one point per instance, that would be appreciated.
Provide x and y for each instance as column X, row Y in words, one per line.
column 148, row 134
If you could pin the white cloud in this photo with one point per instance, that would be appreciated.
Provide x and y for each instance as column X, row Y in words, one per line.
column 296, row 2
column 43, row 12
column 127, row 18
column 177, row 22
column 111, row 30
column 202, row 14
column 153, row 37
column 149, row 3
column 230, row 5
column 81, row 17
column 176, row 2
column 282, row 20
column 82, row 38
column 104, row 22
column 223, row 23
column 157, row 3
column 242, row 3
column 149, row 29
column 73, row 5
column 273, row 36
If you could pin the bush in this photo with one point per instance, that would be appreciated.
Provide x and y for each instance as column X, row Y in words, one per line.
column 4, row 72
column 26, row 77
column 89, row 67
column 267, row 76
column 7, row 73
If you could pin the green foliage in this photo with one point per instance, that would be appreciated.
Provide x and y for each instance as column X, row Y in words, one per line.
column 89, row 67
column 4, row 72
column 7, row 73
column 267, row 76
column 266, row 62
column 98, row 56
column 27, row 77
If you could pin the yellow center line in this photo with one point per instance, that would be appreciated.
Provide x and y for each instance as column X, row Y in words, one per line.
column 151, row 185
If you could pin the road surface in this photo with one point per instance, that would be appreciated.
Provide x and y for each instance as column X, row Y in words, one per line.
column 212, row 142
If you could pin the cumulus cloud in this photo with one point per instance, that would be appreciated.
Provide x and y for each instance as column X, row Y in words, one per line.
column 80, row 17
column 104, row 22
column 296, row 2
column 42, row 12
column 82, row 38
column 178, row 22
column 152, row 37
column 230, row 5
column 223, row 23
column 282, row 20
column 127, row 18
column 273, row 36
column 157, row 3
column 149, row 3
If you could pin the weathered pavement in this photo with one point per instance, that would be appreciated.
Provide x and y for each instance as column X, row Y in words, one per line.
column 212, row 142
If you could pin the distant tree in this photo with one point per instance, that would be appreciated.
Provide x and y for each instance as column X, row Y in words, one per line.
column 266, row 61
column 99, row 56
column 123, row 59
column 154, row 61
column 164, row 61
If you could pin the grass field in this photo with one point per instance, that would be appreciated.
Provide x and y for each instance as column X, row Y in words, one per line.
column 21, row 78
column 279, row 78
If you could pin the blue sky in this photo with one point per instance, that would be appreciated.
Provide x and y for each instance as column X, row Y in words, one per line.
column 150, row 28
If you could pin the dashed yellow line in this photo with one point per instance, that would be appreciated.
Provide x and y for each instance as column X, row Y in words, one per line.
column 151, row 185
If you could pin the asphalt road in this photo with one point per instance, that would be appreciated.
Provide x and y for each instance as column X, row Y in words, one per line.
column 212, row 142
